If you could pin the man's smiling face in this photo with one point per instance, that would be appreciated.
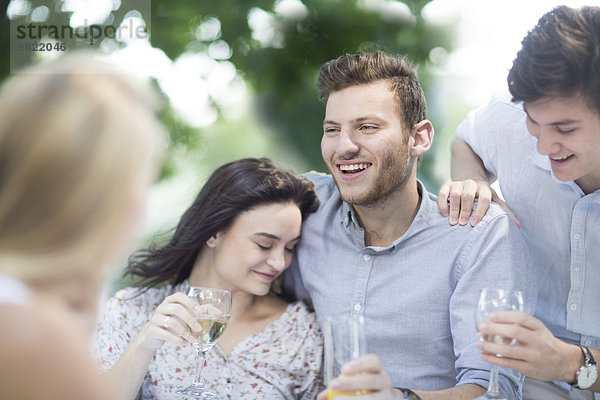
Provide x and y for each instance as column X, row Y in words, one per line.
column 365, row 143
column 568, row 132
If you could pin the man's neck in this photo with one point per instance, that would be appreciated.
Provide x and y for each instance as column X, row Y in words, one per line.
column 391, row 217
column 589, row 184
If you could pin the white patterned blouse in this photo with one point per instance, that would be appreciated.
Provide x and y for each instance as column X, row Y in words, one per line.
column 283, row 361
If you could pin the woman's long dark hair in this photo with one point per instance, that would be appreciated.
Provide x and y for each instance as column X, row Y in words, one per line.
column 231, row 189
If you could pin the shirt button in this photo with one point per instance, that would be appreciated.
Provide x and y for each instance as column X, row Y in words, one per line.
column 357, row 307
column 573, row 307
column 367, row 257
column 577, row 236
column 576, row 268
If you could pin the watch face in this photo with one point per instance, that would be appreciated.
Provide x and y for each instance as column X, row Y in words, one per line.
column 587, row 376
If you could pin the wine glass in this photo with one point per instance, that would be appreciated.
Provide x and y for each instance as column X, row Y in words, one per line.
column 213, row 316
column 492, row 301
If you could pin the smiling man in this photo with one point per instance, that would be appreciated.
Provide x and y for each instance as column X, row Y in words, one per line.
column 543, row 145
column 379, row 248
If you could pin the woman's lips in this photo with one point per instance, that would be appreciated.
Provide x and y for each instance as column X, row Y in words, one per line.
column 265, row 276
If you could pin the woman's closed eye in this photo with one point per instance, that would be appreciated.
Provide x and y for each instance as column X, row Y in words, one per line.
column 565, row 131
column 264, row 247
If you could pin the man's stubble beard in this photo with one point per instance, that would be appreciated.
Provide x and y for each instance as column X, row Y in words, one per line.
column 394, row 173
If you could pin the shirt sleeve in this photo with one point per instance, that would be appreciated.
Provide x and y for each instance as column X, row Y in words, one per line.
column 494, row 256
column 293, row 286
column 482, row 127
column 116, row 327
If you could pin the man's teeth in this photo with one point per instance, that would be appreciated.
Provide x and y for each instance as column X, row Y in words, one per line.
column 353, row 167
column 561, row 158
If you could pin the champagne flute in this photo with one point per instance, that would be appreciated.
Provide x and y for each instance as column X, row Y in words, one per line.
column 492, row 301
column 344, row 341
column 213, row 316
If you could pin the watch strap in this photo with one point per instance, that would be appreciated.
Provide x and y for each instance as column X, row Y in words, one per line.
column 409, row 394
column 587, row 355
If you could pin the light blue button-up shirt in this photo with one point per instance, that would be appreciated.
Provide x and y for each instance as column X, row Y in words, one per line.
column 560, row 224
column 417, row 296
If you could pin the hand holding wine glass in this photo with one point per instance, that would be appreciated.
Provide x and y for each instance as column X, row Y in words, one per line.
column 492, row 301
column 213, row 313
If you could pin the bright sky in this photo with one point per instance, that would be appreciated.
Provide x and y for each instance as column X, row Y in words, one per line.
column 489, row 36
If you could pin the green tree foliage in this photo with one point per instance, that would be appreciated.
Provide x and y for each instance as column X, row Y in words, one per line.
column 283, row 75
column 282, row 72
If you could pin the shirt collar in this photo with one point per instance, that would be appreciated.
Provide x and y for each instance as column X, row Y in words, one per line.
column 350, row 222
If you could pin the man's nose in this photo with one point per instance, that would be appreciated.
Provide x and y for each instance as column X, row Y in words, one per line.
column 347, row 143
column 546, row 142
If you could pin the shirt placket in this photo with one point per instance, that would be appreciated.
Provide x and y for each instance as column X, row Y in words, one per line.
column 359, row 292
column 577, row 267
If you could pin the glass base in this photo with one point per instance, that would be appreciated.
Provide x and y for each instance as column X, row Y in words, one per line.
column 489, row 396
column 199, row 392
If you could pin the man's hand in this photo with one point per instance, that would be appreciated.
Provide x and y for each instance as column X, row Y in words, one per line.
column 456, row 199
column 537, row 354
column 367, row 375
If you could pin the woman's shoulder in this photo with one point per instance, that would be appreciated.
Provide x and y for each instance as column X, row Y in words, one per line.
column 300, row 320
column 25, row 335
column 27, row 329
column 141, row 297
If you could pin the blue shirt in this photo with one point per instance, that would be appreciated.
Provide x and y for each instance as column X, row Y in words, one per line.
column 417, row 296
column 560, row 224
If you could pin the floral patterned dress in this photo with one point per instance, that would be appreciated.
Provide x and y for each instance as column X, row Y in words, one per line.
column 283, row 361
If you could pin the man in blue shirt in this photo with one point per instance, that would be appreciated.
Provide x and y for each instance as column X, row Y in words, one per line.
column 378, row 246
column 544, row 148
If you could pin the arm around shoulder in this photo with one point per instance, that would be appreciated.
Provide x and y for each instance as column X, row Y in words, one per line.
column 465, row 164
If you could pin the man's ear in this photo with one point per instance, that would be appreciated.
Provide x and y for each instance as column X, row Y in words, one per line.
column 423, row 138
column 214, row 240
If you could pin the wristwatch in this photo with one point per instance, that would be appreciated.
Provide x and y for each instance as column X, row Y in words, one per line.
column 409, row 394
column 588, row 373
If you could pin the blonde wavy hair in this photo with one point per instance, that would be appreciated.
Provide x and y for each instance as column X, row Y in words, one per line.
column 78, row 138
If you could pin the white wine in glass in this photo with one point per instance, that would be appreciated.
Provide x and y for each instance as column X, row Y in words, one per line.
column 492, row 301
column 211, row 330
column 213, row 317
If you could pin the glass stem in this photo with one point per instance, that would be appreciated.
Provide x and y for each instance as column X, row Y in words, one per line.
column 198, row 376
column 493, row 385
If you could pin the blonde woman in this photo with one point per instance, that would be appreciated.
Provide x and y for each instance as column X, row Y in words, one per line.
column 79, row 146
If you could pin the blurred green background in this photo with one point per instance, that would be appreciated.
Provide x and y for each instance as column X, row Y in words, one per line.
column 238, row 77
column 278, row 62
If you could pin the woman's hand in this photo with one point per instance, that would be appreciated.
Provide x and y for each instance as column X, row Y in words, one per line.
column 171, row 322
column 366, row 375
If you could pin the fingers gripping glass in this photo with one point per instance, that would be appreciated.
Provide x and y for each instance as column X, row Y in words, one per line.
column 213, row 316
column 491, row 301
